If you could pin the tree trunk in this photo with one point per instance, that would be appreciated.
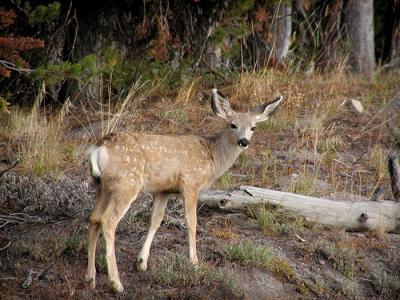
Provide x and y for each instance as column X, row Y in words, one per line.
column 365, row 215
column 394, row 172
column 361, row 32
column 395, row 51
column 282, row 32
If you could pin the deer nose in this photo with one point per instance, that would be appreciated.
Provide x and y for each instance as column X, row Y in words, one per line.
column 244, row 143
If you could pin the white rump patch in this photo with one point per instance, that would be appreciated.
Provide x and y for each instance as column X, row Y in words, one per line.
column 98, row 157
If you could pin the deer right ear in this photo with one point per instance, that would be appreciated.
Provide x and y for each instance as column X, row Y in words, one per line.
column 220, row 105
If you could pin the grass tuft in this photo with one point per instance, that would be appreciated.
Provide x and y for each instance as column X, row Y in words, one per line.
column 101, row 262
column 226, row 181
column 273, row 222
column 378, row 161
column 249, row 253
column 387, row 285
column 341, row 256
column 75, row 243
column 330, row 144
column 181, row 273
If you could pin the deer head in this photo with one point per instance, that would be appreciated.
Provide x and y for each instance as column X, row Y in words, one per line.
column 241, row 125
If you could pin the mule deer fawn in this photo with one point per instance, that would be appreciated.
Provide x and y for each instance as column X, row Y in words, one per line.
column 122, row 165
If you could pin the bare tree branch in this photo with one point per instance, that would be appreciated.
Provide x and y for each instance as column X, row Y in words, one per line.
column 11, row 66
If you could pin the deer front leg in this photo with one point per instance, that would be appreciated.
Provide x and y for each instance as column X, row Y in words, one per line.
column 191, row 222
column 160, row 201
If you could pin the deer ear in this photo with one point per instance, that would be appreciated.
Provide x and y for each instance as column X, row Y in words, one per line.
column 220, row 105
column 262, row 112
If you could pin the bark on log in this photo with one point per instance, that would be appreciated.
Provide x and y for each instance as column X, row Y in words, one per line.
column 384, row 215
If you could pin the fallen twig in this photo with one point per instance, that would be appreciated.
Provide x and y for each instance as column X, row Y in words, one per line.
column 19, row 218
column 5, row 247
column 300, row 238
column 10, row 168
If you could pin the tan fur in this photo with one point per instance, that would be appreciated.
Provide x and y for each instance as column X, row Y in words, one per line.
column 161, row 165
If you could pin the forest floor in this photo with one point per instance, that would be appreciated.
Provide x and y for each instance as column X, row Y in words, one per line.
column 311, row 146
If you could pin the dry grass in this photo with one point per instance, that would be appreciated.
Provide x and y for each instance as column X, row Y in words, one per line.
column 35, row 140
column 378, row 160
column 111, row 113
column 188, row 91
column 225, row 232
column 318, row 92
column 179, row 115
column 330, row 144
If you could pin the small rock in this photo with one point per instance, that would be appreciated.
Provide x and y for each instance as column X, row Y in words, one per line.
column 28, row 280
column 378, row 194
column 322, row 262
column 352, row 104
column 347, row 157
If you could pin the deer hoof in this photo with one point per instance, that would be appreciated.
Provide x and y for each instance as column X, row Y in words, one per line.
column 195, row 261
column 117, row 287
column 141, row 265
column 90, row 279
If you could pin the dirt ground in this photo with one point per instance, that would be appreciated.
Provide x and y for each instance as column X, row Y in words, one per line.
column 43, row 248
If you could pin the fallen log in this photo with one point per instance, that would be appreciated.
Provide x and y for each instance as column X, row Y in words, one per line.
column 365, row 215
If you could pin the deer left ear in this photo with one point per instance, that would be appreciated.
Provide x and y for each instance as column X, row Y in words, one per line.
column 263, row 111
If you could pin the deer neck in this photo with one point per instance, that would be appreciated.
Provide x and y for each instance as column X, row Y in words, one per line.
column 224, row 153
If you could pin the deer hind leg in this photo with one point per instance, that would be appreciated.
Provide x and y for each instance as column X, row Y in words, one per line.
column 159, row 203
column 94, row 232
column 119, row 203
column 191, row 222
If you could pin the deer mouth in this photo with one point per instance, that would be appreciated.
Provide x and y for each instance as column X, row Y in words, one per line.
column 244, row 143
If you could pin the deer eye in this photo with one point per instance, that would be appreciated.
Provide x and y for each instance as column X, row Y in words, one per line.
column 253, row 128
column 233, row 126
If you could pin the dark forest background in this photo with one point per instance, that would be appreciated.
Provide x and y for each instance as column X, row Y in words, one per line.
column 69, row 45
